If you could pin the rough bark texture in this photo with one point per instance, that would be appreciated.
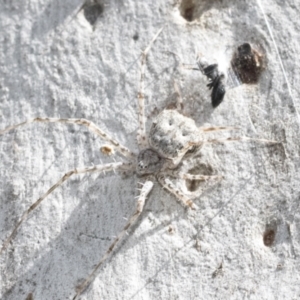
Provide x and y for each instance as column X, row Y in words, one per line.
column 63, row 59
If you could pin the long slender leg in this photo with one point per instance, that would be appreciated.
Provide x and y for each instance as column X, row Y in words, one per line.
column 243, row 138
column 90, row 125
column 96, row 168
column 141, row 134
column 179, row 103
column 145, row 190
column 168, row 185
column 183, row 65
column 182, row 175
column 199, row 177
column 217, row 128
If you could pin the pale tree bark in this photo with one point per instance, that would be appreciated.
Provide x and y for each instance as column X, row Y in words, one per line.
column 69, row 59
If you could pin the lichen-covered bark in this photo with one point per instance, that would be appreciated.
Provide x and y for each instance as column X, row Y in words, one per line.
column 67, row 59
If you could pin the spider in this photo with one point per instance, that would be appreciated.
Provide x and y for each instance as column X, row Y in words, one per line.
column 172, row 137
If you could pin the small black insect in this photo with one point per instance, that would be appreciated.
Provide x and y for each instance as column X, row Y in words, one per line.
column 215, row 82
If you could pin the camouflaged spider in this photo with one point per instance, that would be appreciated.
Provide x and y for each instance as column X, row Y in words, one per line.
column 171, row 137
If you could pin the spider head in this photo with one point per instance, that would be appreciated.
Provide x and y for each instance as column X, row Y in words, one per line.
column 149, row 162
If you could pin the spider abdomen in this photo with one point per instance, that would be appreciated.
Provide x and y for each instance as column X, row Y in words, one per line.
column 173, row 134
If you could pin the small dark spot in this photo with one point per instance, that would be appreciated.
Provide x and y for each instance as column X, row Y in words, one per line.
column 187, row 9
column 248, row 63
column 171, row 229
column 171, row 106
column 135, row 37
column 107, row 150
column 279, row 267
column 192, row 185
column 192, row 10
column 198, row 245
column 189, row 13
column 29, row 297
column 269, row 237
column 218, row 272
column 92, row 12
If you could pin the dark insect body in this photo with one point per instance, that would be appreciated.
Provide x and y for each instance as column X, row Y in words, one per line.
column 215, row 82
column 247, row 64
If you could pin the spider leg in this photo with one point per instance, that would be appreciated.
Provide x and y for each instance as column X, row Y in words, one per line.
column 243, row 138
column 217, row 128
column 199, row 177
column 145, row 190
column 96, row 168
column 90, row 125
column 179, row 103
column 168, row 185
column 189, row 176
column 141, row 134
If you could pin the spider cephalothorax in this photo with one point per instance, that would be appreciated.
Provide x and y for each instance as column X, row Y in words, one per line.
column 149, row 162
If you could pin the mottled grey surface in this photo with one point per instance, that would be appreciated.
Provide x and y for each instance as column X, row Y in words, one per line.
column 59, row 60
